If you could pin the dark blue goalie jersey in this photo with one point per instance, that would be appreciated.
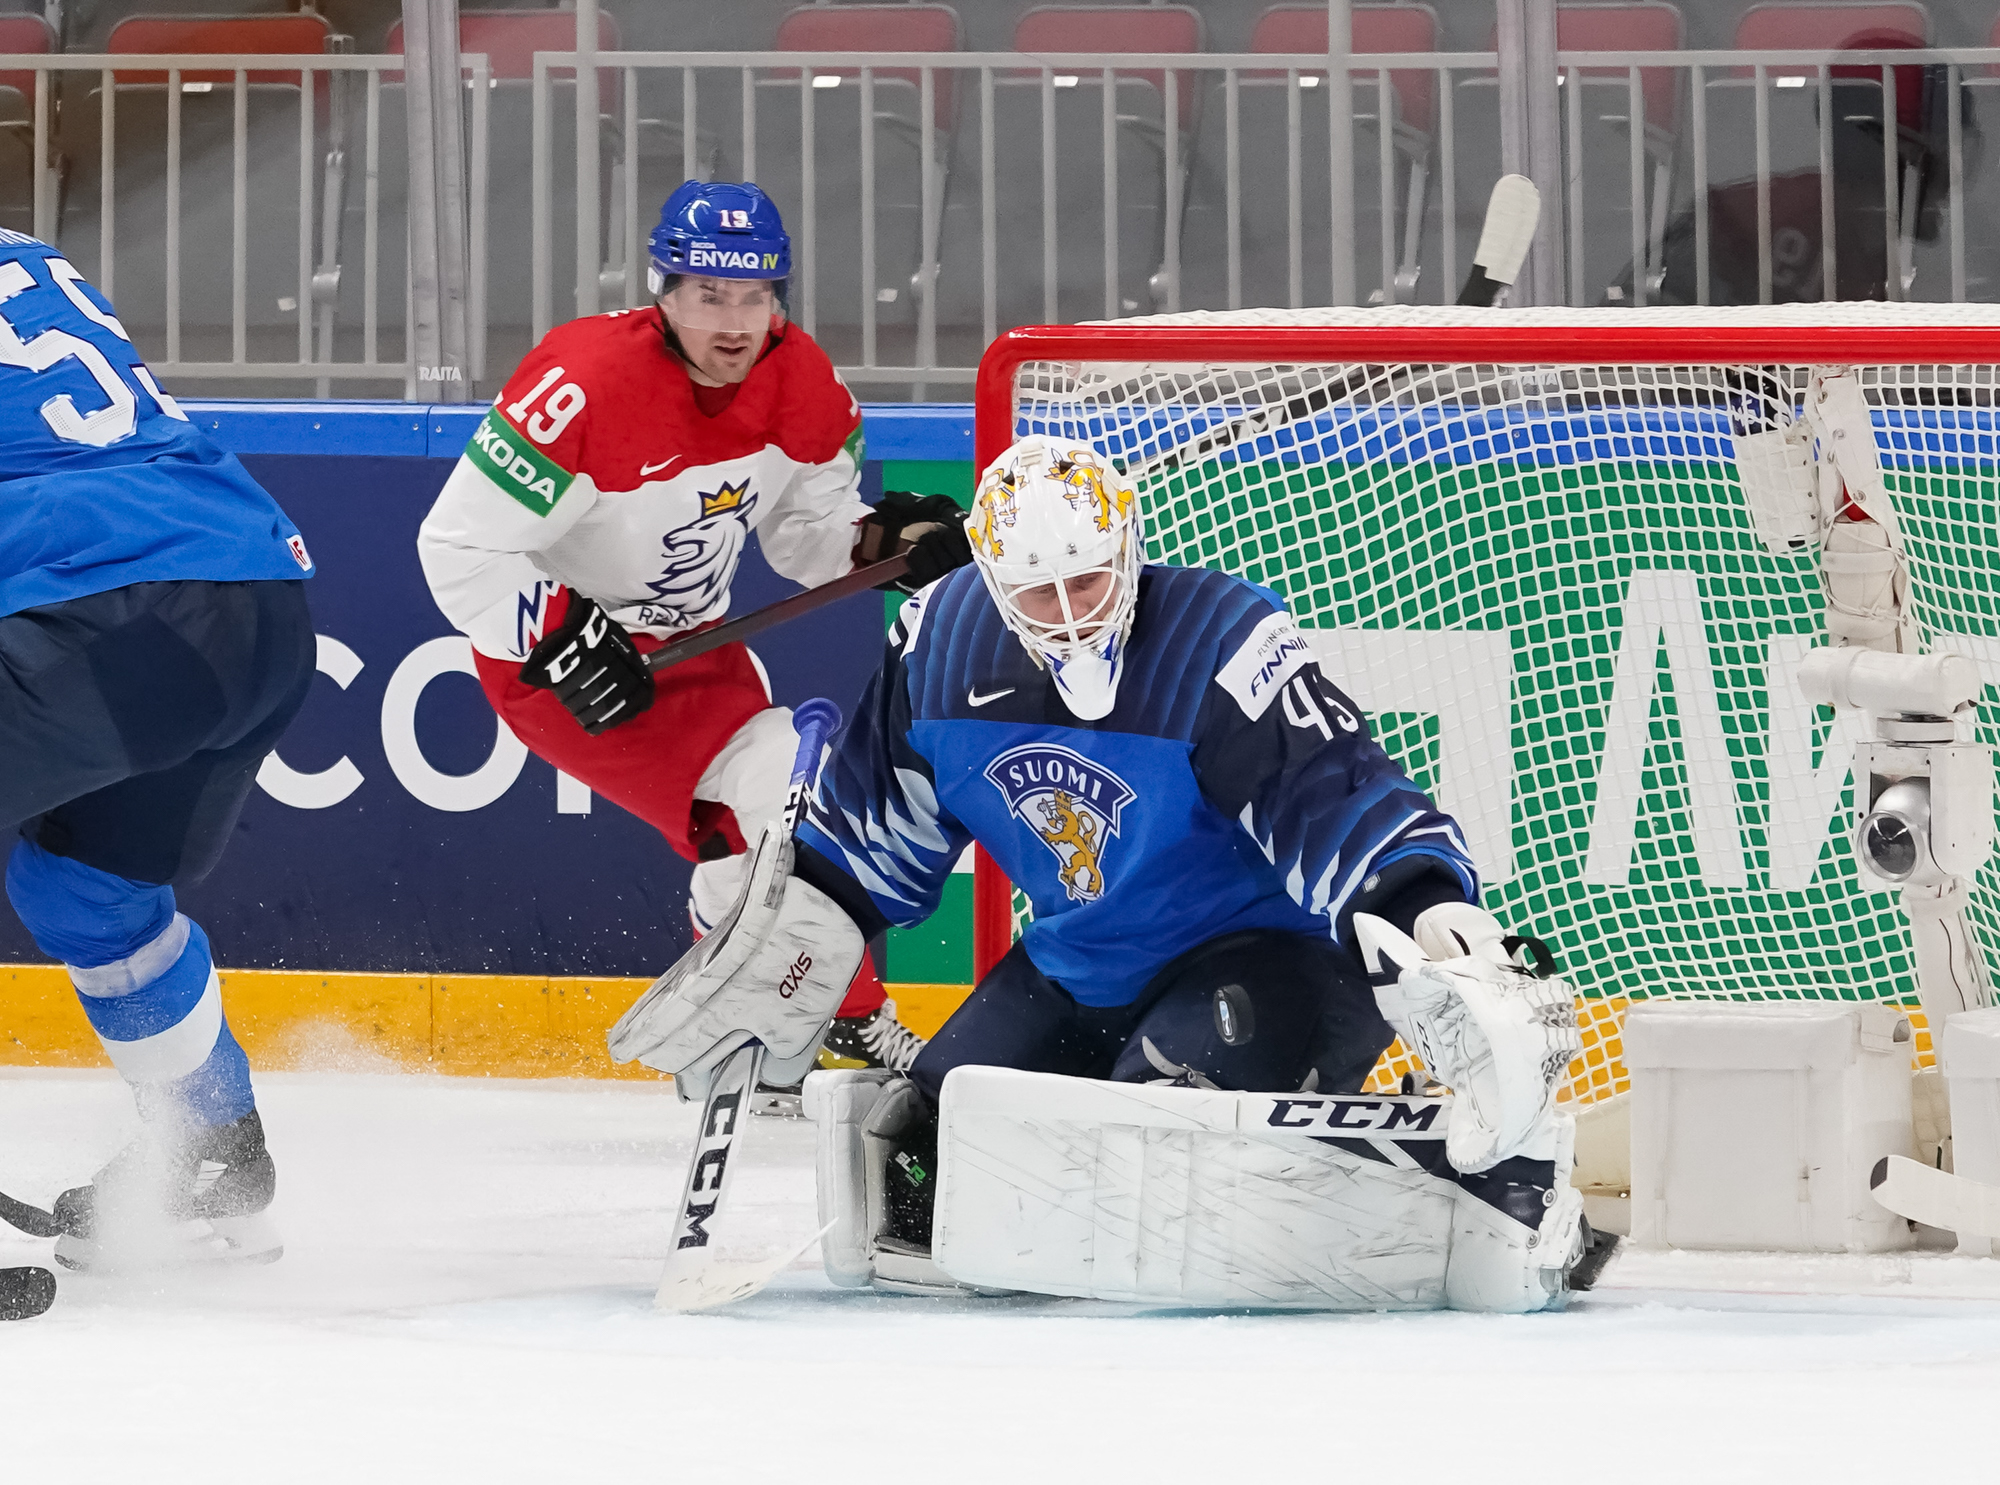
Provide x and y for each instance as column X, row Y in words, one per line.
column 1231, row 787
column 103, row 481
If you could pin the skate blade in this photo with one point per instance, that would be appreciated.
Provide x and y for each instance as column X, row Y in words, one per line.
column 194, row 1244
column 772, row 1103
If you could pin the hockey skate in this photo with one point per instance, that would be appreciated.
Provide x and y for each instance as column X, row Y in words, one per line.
column 173, row 1197
column 877, row 1039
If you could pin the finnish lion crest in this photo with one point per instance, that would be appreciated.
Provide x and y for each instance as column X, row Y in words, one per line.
column 1070, row 802
column 1085, row 487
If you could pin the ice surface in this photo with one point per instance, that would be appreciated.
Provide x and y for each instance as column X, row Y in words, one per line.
column 467, row 1296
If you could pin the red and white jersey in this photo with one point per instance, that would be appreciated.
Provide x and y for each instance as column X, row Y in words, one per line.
column 596, row 471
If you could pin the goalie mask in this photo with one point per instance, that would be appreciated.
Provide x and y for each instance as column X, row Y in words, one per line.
column 1056, row 535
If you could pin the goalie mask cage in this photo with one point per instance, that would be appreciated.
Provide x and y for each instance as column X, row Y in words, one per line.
column 1518, row 540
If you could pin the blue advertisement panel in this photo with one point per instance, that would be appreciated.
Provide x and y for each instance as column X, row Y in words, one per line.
column 400, row 827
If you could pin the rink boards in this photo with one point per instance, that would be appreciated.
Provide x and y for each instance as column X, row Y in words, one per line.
column 411, row 881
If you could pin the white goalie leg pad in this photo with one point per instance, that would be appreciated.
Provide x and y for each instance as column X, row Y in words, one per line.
column 1152, row 1194
column 839, row 1103
column 774, row 970
column 1501, row 1039
column 1178, row 1196
column 1500, row 1265
column 859, row 1112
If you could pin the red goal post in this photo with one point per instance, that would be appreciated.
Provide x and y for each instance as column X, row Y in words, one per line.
column 1568, row 414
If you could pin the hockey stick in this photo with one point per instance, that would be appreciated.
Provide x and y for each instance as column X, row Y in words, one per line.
column 695, row 1279
column 1513, row 212
column 25, row 1292
column 1936, row 1198
column 786, row 609
column 31, row 1220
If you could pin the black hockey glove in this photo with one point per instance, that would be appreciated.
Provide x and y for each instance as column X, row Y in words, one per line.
column 593, row 667
column 932, row 526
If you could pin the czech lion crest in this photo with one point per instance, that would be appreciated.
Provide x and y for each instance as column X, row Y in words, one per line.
column 1071, row 803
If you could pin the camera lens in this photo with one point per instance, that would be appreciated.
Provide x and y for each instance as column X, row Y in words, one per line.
column 1889, row 845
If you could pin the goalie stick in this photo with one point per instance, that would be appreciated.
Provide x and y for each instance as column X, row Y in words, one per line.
column 1512, row 212
column 1936, row 1198
column 695, row 1279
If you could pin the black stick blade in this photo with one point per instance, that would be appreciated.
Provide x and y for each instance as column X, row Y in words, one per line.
column 25, row 1292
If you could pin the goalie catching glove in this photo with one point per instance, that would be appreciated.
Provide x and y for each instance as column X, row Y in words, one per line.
column 1499, row 1037
column 773, row 971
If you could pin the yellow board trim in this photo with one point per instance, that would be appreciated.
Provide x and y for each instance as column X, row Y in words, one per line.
column 494, row 1026
column 527, row 1026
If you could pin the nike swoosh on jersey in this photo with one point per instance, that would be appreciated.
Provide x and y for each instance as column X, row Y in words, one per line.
column 973, row 698
column 646, row 469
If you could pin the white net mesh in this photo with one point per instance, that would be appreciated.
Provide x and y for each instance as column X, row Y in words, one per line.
column 1544, row 585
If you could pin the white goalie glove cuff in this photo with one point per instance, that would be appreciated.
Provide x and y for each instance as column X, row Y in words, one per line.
column 774, row 970
column 1500, row 1038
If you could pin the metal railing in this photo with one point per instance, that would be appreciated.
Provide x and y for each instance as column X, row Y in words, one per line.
column 326, row 124
column 939, row 198
column 722, row 101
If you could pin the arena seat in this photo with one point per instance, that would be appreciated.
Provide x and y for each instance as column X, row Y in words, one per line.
column 510, row 39
column 297, row 34
column 20, row 35
column 1605, row 161
column 903, row 235
column 1262, row 107
column 1854, row 132
column 1647, row 26
column 137, row 274
column 1103, row 30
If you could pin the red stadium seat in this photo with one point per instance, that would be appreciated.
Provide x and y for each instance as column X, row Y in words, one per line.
column 273, row 35
column 1299, row 29
column 1056, row 29
column 874, row 28
column 1648, row 26
column 22, row 35
column 1377, row 28
column 510, row 39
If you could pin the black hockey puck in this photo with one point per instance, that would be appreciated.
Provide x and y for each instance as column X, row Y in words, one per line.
column 25, row 1292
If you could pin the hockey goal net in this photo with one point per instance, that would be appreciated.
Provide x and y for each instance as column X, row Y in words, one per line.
column 1522, row 544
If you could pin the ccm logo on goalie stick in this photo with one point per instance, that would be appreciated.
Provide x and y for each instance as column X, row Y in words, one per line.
column 709, row 1166
column 1407, row 1117
column 795, row 976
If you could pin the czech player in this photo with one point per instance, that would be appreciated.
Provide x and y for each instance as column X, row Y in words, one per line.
column 601, row 510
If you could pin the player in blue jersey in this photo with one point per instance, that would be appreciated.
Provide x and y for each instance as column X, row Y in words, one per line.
column 1217, row 851
column 154, row 643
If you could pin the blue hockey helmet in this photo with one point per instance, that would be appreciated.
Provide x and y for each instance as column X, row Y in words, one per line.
column 719, row 229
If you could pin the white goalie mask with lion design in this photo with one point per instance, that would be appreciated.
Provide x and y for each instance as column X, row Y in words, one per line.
column 1056, row 535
